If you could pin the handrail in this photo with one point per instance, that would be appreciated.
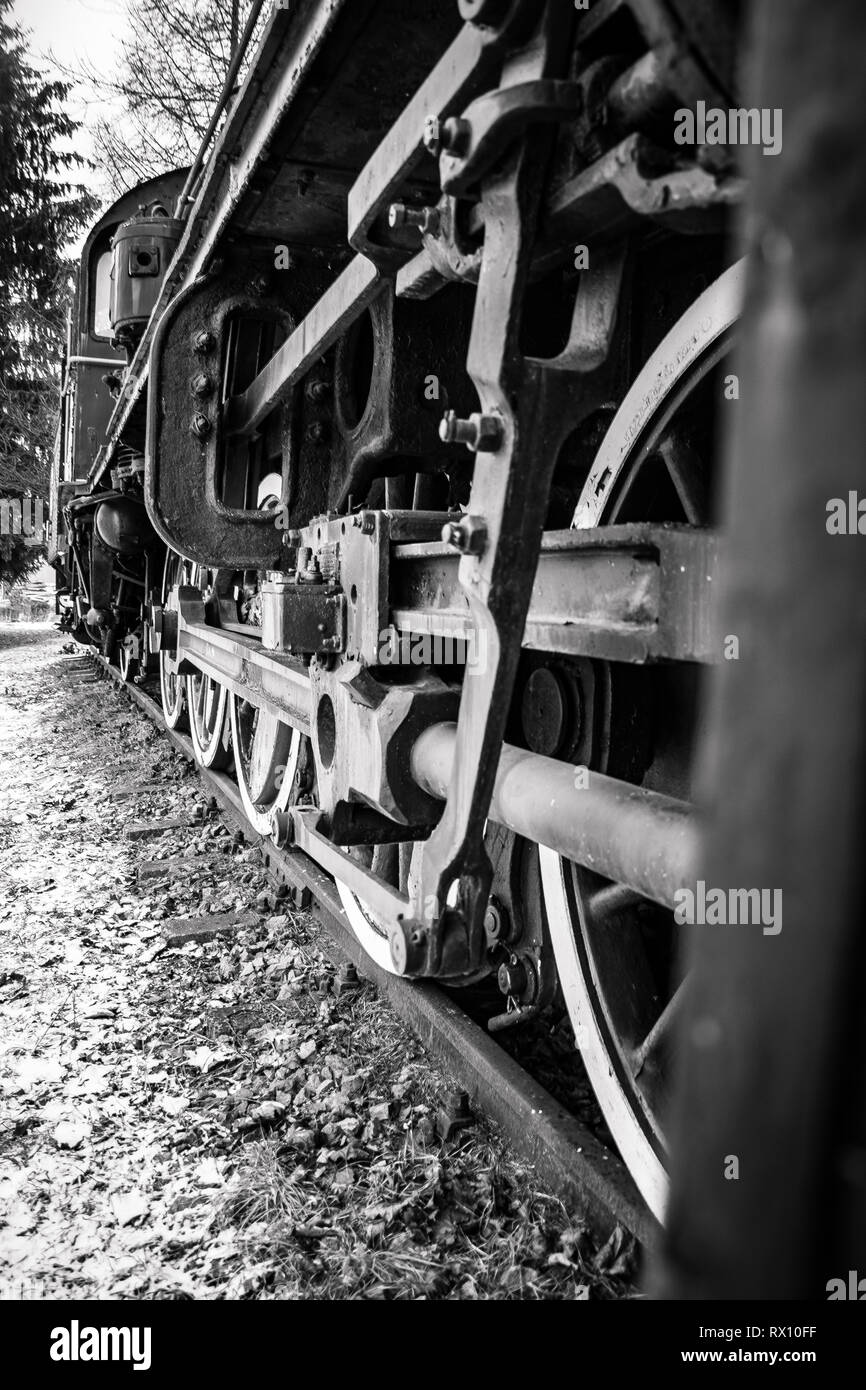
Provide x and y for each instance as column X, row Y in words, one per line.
column 186, row 192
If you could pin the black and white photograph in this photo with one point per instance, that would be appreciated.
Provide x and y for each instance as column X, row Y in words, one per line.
column 432, row 673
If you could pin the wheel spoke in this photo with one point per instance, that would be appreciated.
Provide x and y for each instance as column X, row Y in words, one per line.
column 660, row 1029
column 266, row 759
column 606, row 902
column 688, row 475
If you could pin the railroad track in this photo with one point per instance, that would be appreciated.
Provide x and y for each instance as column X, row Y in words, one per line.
column 567, row 1157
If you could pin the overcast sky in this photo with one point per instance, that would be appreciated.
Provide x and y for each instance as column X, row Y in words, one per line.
column 75, row 33
column 75, row 30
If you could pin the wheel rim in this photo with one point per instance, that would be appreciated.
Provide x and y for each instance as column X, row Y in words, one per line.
column 619, row 1010
column 207, row 700
column 396, row 864
column 266, row 753
column 171, row 684
column 125, row 662
column 399, row 865
column 207, row 703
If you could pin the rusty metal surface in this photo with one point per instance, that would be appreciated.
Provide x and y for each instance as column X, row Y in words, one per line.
column 350, row 294
column 622, row 593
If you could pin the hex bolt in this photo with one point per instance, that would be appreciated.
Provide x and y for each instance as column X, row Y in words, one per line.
column 469, row 535
column 512, row 977
column 260, row 284
column 202, row 385
column 494, row 921
column 203, row 343
column 425, row 219
column 365, row 521
column 480, row 433
column 318, row 432
column 201, row 426
column 432, row 137
column 452, row 135
column 310, row 572
column 347, row 980
column 318, row 390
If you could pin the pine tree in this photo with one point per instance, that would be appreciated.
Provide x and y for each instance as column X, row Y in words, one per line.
column 42, row 210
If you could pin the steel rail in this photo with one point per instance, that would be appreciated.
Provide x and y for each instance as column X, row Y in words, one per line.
column 567, row 1157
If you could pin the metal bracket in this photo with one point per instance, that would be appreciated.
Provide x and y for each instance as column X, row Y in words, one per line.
column 302, row 618
column 491, row 123
column 510, row 488
column 186, row 433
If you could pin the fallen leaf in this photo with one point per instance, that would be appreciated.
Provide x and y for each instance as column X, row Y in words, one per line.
column 268, row 1112
column 172, row 1105
column 70, row 1134
column 129, row 1206
column 32, row 1070
column 204, row 1059
column 208, row 1174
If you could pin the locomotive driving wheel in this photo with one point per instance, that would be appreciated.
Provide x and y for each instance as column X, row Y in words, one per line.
column 171, row 685
column 616, row 953
column 393, row 863
column 267, row 757
column 208, row 721
column 207, row 703
column 127, row 663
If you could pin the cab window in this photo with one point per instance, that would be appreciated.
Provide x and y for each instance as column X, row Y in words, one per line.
column 102, row 296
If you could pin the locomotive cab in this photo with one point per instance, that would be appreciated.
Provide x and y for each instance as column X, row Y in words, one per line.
column 102, row 544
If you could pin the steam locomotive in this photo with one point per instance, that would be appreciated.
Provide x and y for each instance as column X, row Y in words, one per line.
column 391, row 447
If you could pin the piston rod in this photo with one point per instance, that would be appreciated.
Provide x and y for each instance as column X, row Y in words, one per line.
column 638, row 838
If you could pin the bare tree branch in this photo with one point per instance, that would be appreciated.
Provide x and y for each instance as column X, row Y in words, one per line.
column 172, row 69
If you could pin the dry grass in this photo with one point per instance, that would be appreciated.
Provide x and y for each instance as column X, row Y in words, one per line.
column 397, row 1214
